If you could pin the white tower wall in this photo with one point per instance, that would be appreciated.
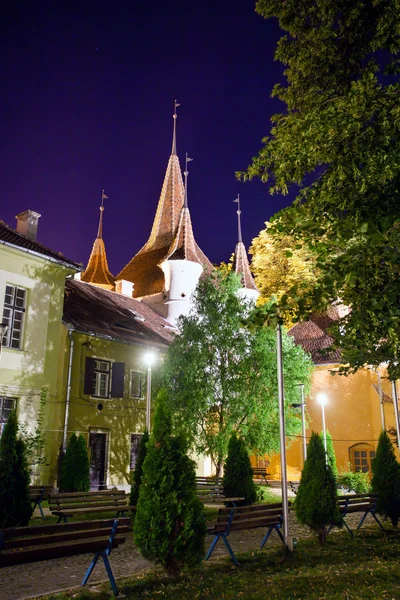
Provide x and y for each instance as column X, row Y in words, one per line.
column 181, row 278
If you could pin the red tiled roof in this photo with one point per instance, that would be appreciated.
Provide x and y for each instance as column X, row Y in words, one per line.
column 171, row 237
column 312, row 336
column 97, row 271
column 10, row 236
column 242, row 267
column 101, row 312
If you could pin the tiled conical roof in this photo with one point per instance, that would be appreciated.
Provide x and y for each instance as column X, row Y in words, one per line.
column 97, row 271
column 171, row 235
column 241, row 266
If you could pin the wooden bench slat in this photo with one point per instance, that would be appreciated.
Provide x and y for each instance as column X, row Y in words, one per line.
column 54, row 538
column 67, row 505
column 83, row 494
column 62, row 527
column 69, row 512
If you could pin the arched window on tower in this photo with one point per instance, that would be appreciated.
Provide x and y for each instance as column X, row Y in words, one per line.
column 361, row 456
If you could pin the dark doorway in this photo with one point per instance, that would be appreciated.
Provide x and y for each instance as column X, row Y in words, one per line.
column 97, row 443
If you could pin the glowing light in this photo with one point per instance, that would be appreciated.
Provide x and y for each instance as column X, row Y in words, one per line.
column 322, row 399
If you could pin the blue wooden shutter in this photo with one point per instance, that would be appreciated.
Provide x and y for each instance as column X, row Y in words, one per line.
column 118, row 380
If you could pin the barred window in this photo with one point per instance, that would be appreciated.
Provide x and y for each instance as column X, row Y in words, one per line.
column 135, row 385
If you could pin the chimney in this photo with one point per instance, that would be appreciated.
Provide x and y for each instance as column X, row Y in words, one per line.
column 27, row 223
column 124, row 287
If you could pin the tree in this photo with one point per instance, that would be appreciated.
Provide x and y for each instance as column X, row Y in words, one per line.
column 316, row 500
column 386, row 479
column 138, row 472
column 169, row 522
column 15, row 505
column 222, row 373
column 330, row 450
column 36, row 441
column 338, row 140
column 238, row 474
column 280, row 263
column 74, row 472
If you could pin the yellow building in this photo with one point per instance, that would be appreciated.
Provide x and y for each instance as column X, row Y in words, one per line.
column 354, row 413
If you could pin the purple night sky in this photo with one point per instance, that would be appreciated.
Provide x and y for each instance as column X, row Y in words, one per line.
column 87, row 102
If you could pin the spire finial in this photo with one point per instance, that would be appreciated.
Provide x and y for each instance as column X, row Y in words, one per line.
column 239, row 212
column 100, row 230
column 175, row 116
column 186, row 173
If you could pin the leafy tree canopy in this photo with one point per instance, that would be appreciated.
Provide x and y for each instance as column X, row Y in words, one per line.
column 339, row 141
column 222, row 373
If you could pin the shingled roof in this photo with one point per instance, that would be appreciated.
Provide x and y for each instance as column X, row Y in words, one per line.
column 171, row 238
column 242, row 267
column 100, row 312
column 312, row 336
column 97, row 271
column 8, row 235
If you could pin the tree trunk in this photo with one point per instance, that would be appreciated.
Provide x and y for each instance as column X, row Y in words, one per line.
column 322, row 535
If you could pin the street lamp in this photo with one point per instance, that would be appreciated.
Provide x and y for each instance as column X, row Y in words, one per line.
column 149, row 359
column 322, row 399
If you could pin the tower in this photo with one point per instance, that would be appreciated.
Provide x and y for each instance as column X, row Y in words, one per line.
column 241, row 265
column 97, row 271
column 167, row 268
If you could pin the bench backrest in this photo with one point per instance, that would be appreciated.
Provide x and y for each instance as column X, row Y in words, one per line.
column 87, row 499
column 357, row 499
column 40, row 492
column 248, row 517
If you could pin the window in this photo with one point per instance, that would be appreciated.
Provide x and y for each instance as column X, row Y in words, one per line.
column 135, row 385
column 135, row 441
column 6, row 406
column 13, row 316
column 361, row 456
column 103, row 378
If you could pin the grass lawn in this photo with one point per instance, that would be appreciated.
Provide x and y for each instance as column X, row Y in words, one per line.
column 364, row 568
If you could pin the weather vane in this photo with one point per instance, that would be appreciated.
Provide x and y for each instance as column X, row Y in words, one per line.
column 175, row 116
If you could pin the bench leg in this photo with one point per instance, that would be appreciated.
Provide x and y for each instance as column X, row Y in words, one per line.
column 213, row 544
column 378, row 521
column 110, row 573
column 90, row 569
column 362, row 519
column 348, row 528
column 277, row 529
column 231, row 552
column 375, row 517
column 41, row 510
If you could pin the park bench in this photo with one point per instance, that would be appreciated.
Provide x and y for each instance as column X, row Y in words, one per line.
column 211, row 491
column 293, row 486
column 267, row 516
column 69, row 504
column 353, row 503
column 19, row 545
column 38, row 493
column 261, row 472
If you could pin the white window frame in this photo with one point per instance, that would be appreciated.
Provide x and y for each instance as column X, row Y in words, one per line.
column 102, row 373
column 10, row 312
column 140, row 375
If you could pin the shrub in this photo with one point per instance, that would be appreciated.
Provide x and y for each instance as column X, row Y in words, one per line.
column 330, row 450
column 169, row 523
column 386, row 479
column 74, row 472
column 238, row 474
column 15, row 505
column 137, row 474
column 358, row 482
column 316, row 500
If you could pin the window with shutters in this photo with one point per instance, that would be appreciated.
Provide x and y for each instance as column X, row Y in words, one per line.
column 135, row 441
column 6, row 406
column 13, row 316
column 361, row 456
column 135, row 385
column 103, row 378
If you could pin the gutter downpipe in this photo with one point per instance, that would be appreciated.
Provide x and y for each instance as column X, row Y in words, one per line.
column 68, row 397
column 396, row 411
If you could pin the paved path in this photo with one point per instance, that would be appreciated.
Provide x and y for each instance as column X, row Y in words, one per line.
column 45, row 577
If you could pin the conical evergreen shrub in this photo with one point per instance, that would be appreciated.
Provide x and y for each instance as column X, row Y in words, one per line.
column 169, row 523
column 316, row 500
column 386, row 479
column 74, row 472
column 138, row 472
column 15, row 505
column 330, row 450
column 238, row 474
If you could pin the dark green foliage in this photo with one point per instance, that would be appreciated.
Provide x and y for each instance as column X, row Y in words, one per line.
column 330, row 450
column 15, row 506
column 169, row 523
column 74, row 473
column 316, row 500
column 238, row 474
column 137, row 474
column 386, row 479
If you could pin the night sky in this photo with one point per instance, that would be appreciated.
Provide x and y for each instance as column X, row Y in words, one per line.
column 87, row 93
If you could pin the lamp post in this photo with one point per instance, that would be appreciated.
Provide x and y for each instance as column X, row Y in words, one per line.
column 322, row 400
column 149, row 359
